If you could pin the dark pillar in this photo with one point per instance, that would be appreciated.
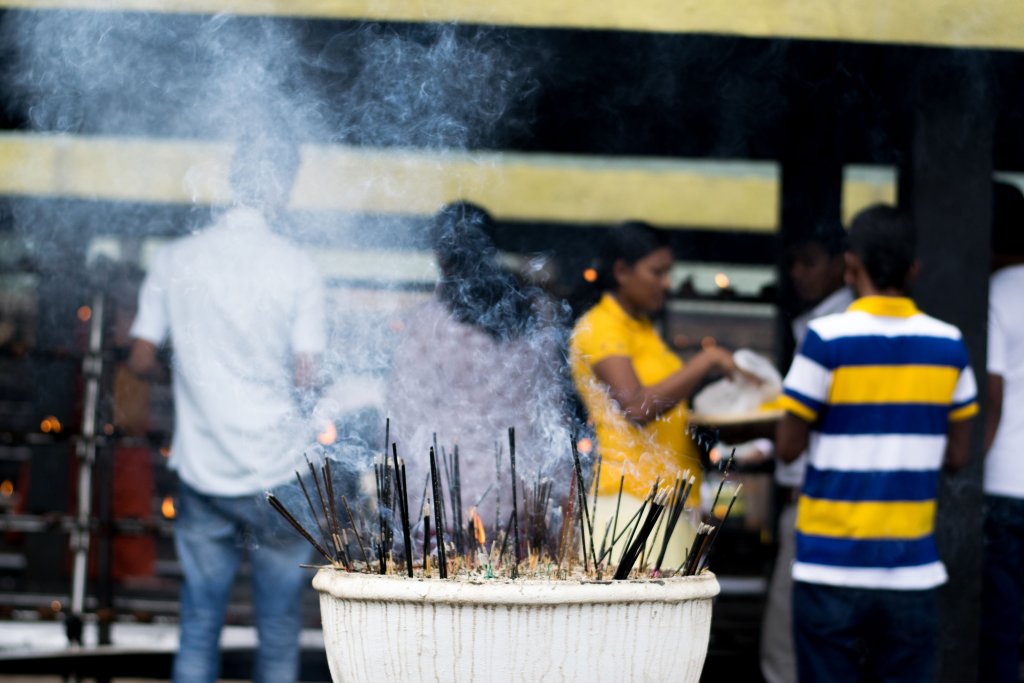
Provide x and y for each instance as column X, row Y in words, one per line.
column 947, row 187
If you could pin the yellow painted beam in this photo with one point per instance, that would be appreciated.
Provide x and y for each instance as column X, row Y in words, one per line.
column 521, row 187
column 955, row 23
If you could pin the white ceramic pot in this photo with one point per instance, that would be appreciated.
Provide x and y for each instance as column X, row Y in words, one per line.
column 383, row 628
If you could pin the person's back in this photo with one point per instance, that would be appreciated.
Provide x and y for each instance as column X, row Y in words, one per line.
column 880, row 396
column 1003, row 473
column 1003, row 567
column 243, row 311
column 233, row 297
column 867, row 506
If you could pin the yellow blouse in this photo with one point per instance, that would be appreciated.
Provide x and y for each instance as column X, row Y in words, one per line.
column 661, row 448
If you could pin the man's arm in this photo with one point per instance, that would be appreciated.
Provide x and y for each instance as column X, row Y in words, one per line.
column 958, row 445
column 791, row 437
column 142, row 360
column 994, row 394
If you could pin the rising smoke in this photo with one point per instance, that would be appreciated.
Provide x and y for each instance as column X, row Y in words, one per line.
column 217, row 79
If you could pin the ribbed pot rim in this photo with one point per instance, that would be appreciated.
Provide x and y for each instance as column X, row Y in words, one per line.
column 374, row 587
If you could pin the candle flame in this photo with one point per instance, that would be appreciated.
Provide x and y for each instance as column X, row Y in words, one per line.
column 585, row 446
column 50, row 424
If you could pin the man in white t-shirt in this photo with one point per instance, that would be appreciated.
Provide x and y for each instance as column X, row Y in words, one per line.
column 1003, row 575
column 816, row 268
column 242, row 309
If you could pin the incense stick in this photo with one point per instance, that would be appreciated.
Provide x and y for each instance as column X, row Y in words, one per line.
column 515, row 501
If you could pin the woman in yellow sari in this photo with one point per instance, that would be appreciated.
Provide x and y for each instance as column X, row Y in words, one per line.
column 634, row 387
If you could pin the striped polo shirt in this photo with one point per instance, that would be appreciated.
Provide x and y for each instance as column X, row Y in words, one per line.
column 879, row 384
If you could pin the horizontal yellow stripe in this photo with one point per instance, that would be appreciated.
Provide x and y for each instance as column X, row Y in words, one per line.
column 790, row 404
column 524, row 187
column 968, row 411
column 960, row 23
column 841, row 519
column 930, row 384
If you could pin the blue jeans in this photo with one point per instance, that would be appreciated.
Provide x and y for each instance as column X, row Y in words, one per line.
column 842, row 634
column 210, row 534
column 1002, row 590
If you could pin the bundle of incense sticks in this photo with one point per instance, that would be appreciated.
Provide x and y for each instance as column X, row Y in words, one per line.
column 461, row 541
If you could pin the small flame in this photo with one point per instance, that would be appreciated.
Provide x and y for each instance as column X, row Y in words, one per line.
column 165, row 452
column 585, row 446
column 478, row 527
column 84, row 314
column 721, row 280
column 55, row 606
column 167, row 508
column 6, row 488
column 715, row 455
column 50, row 424
column 590, row 275
column 328, row 436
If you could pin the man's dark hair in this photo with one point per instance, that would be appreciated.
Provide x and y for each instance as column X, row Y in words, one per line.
column 829, row 235
column 884, row 239
column 1007, row 220
column 628, row 243
column 263, row 170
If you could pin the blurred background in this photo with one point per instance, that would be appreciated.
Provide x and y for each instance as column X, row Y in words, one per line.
column 739, row 126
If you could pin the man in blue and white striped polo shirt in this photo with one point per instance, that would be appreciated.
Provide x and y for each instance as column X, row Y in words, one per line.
column 881, row 395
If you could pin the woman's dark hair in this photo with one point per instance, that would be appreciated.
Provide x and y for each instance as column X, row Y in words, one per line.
column 884, row 240
column 474, row 287
column 628, row 242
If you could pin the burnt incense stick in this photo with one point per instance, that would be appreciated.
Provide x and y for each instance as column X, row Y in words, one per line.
column 438, row 515
column 632, row 553
column 335, row 523
column 515, row 502
column 618, row 503
column 588, row 530
column 597, row 487
column 683, row 487
column 355, row 529
column 312, row 508
column 335, row 539
column 283, row 511
column 403, row 507
column 504, row 539
column 497, row 480
column 426, row 538
column 702, row 561
column 629, row 527
column 457, row 495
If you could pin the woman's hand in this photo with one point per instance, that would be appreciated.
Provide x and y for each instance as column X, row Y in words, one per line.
column 723, row 361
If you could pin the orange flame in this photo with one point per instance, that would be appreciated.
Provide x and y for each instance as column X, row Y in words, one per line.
column 50, row 424
column 478, row 527
column 167, row 508
column 585, row 446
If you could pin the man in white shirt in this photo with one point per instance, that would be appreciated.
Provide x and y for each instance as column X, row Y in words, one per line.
column 243, row 311
column 1003, row 575
column 816, row 268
